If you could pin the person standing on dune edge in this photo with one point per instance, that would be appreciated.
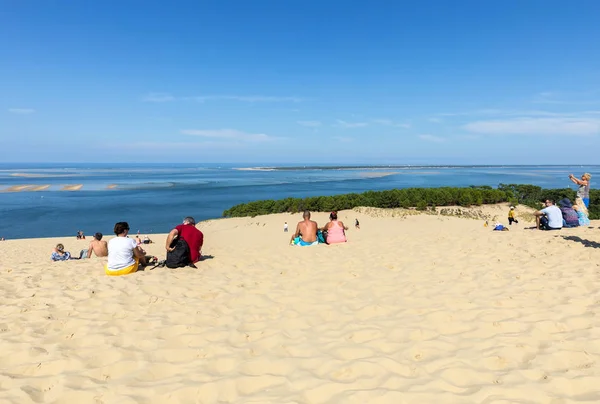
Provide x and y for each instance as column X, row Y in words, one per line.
column 583, row 190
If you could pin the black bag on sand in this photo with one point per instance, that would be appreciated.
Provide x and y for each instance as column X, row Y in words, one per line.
column 180, row 256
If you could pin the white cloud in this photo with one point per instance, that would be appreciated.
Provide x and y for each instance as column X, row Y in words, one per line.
column 474, row 112
column 389, row 122
column 21, row 111
column 310, row 124
column 468, row 137
column 383, row 121
column 573, row 98
column 537, row 126
column 516, row 113
column 431, row 138
column 160, row 146
column 248, row 98
column 165, row 97
column 435, row 120
column 158, row 97
column 228, row 134
column 344, row 124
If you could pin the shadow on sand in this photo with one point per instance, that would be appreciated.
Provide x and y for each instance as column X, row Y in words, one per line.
column 586, row 243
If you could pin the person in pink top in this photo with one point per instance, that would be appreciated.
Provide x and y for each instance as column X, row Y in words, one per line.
column 335, row 230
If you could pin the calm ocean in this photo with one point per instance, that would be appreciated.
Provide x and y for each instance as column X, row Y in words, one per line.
column 155, row 197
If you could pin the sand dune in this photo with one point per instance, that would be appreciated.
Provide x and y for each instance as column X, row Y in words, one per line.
column 74, row 187
column 415, row 308
column 18, row 188
column 370, row 174
column 39, row 188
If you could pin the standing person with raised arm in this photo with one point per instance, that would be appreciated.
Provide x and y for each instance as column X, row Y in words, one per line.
column 583, row 190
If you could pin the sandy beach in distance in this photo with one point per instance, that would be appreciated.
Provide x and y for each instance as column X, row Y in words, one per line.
column 73, row 187
column 414, row 308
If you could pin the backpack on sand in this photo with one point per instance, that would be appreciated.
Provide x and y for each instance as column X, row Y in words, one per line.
column 180, row 256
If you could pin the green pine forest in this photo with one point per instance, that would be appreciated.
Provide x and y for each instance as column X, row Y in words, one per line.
column 419, row 198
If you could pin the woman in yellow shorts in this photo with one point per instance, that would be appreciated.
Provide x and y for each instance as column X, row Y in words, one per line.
column 124, row 255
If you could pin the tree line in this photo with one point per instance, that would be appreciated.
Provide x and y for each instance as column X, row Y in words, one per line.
column 419, row 198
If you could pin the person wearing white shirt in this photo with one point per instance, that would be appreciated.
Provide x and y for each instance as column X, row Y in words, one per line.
column 549, row 218
column 124, row 255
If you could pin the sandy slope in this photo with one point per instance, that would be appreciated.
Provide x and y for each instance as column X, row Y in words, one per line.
column 413, row 309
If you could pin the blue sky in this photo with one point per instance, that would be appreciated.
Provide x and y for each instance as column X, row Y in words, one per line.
column 473, row 82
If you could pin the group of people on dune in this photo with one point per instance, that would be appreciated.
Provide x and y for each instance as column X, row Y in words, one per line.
column 125, row 255
column 308, row 232
column 567, row 214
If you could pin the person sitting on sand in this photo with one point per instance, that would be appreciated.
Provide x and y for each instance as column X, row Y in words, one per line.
column 97, row 246
column 549, row 218
column 147, row 240
column 192, row 236
column 306, row 232
column 511, row 216
column 582, row 212
column 138, row 240
column 583, row 190
column 570, row 218
column 59, row 253
column 334, row 230
column 124, row 256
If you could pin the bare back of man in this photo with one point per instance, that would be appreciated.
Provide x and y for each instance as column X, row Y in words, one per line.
column 99, row 247
column 306, row 229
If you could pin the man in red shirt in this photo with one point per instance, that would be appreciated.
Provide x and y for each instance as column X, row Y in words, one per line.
column 192, row 236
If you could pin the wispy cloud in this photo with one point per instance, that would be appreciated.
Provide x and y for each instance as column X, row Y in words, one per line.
column 160, row 146
column 390, row 122
column 158, row 97
column 166, row 97
column 343, row 124
column 310, row 124
column 515, row 113
column 383, row 121
column 468, row 137
column 21, row 111
column 537, row 126
column 228, row 134
column 582, row 98
column 470, row 113
column 247, row 98
column 435, row 120
column 432, row 138
column 343, row 139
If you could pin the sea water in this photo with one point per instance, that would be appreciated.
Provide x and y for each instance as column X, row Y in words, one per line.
column 155, row 197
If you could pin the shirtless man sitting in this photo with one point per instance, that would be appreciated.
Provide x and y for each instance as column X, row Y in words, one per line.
column 97, row 246
column 306, row 232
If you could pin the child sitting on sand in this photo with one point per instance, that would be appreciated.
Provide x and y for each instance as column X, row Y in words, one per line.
column 59, row 253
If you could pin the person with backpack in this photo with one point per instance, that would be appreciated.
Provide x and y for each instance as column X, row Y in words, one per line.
column 184, row 244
